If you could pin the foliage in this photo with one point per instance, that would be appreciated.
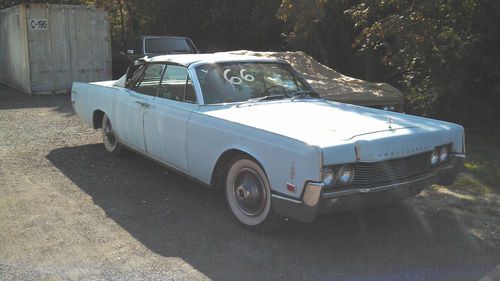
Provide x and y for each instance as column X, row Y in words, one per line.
column 213, row 25
column 300, row 17
column 425, row 44
column 443, row 54
column 483, row 159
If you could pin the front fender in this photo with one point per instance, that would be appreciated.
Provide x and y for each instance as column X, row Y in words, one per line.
column 285, row 160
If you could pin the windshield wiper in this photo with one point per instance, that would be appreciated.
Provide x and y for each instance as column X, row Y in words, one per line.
column 302, row 94
column 270, row 97
column 297, row 95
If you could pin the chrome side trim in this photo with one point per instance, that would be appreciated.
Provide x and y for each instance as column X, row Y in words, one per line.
column 374, row 189
column 286, row 199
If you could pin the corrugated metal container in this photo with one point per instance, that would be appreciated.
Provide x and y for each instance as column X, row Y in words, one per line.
column 44, row 48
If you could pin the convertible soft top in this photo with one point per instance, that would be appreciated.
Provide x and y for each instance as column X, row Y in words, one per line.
column 188, row 59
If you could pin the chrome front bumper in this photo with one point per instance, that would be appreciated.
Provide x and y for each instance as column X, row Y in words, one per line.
column 315, row 200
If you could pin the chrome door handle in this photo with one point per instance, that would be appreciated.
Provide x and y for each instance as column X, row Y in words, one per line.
column 142, row 103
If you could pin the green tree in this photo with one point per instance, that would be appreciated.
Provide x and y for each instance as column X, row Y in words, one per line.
column 424, row 44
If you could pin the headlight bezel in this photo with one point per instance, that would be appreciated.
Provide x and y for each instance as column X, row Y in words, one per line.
column 331, row 182
column 341, row 173
column 439, row 151
column 337, row 172
column 443, row 151
column 434, row 158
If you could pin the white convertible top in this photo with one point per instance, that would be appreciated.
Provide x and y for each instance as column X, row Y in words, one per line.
column 188, row 59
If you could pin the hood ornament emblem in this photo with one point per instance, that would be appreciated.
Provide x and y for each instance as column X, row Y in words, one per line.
column 389, row 123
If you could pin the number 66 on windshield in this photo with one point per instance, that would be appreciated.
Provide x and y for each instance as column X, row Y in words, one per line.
column 237, row 80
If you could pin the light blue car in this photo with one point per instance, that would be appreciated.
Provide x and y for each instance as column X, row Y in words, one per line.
column 255, row 128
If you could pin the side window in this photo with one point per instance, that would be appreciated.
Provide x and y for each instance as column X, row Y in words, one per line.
column 176, row 85
column 150, row 81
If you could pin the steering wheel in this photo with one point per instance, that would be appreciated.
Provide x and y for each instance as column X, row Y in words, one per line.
column 278, row 88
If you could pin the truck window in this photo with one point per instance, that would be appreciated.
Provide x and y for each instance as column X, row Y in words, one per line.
column 167, row 45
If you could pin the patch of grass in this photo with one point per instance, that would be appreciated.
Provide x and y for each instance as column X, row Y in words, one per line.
column 474, row 198
column 483, row 159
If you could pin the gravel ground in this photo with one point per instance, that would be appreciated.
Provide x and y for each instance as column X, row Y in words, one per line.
column 69, row 211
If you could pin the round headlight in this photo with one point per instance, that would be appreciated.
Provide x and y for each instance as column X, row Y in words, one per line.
column 328, row 177
column 434, row 157
column 443, row 154
column 346, row 174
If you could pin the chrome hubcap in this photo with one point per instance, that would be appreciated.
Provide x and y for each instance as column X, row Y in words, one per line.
column 109, row 135
column 249, row 192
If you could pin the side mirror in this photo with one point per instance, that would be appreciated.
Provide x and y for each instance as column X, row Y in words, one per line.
column 130, row 52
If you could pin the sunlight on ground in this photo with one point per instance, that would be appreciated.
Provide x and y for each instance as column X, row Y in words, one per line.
column 475, row 206
column 474, row 199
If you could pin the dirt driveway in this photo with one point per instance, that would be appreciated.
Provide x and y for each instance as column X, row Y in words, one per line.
column 69, row 211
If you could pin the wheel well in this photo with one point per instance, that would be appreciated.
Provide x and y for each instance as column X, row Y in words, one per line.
column 97, row 119
column 219, row 172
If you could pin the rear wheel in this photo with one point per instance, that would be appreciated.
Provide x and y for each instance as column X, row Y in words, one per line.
column 110, row 139
column 249, row 196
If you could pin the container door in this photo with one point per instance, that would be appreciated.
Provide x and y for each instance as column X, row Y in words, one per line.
column 81, row 55
column 38, row 21
column 48, row 50
column 60, row 49
column 100, row 46
column 90, row 45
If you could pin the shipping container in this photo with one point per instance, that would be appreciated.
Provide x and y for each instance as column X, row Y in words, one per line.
column 45, row 47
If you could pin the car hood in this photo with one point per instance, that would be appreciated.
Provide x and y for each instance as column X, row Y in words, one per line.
column 318, row 122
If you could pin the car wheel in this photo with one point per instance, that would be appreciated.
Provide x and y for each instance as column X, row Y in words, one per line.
column 109, row 138
column 249, row 196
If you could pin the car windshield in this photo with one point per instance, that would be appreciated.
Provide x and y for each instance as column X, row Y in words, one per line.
column 167, row 45
column 243, row 81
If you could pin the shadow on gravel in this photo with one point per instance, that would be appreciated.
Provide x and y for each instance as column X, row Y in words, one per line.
column 11, row 98
column 176, row 217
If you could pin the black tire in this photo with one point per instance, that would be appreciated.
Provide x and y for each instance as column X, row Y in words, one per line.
column 110, row 139
column 248, row 195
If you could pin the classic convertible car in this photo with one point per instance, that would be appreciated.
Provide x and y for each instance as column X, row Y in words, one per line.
column 255, row 128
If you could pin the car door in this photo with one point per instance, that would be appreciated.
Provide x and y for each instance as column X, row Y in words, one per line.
column 166, row 121
column 131, row 105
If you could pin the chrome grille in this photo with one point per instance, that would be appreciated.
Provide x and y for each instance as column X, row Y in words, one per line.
column 391, row 170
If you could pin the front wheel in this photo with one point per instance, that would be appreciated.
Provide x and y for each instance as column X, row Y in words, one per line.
column 249, row 196
column 109, row 138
